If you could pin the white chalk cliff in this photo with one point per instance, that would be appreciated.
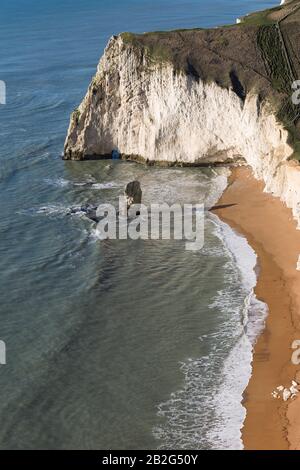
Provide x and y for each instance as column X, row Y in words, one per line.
column 146, row 110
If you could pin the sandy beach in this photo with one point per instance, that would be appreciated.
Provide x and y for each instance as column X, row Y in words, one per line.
column 271, row 231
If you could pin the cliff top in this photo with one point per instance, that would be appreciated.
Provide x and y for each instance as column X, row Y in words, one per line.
column 260, row 54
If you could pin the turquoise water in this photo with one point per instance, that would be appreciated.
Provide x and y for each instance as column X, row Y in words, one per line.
column 109, row 344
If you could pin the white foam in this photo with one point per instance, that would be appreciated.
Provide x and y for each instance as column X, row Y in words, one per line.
column 239, row 249
column 208, row 410
column 52, row 209
column 62, row 182
column 58, row 182
column 237, row 367
column 109, row 185
column 218, row 186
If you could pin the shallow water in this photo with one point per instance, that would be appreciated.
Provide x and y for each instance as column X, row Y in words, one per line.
column 132, row 344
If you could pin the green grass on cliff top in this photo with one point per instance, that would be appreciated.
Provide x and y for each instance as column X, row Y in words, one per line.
column 259, row 18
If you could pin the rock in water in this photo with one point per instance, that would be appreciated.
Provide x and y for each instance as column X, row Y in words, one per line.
column 133, row 193
column 87, row 209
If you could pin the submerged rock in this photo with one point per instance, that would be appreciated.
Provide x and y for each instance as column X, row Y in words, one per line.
column 133, row 195
column 88, row 210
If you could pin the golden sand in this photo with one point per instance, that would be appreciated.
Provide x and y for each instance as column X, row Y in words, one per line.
column 270, row 229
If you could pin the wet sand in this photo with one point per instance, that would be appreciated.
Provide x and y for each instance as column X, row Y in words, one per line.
column 271, row 231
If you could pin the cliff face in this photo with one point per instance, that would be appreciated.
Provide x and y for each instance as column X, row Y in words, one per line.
column 191, row 97
column 151, row 111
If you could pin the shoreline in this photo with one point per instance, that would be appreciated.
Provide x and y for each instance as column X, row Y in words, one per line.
column 270, row 230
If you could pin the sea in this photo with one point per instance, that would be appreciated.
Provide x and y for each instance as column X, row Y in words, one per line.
column 110, row 344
